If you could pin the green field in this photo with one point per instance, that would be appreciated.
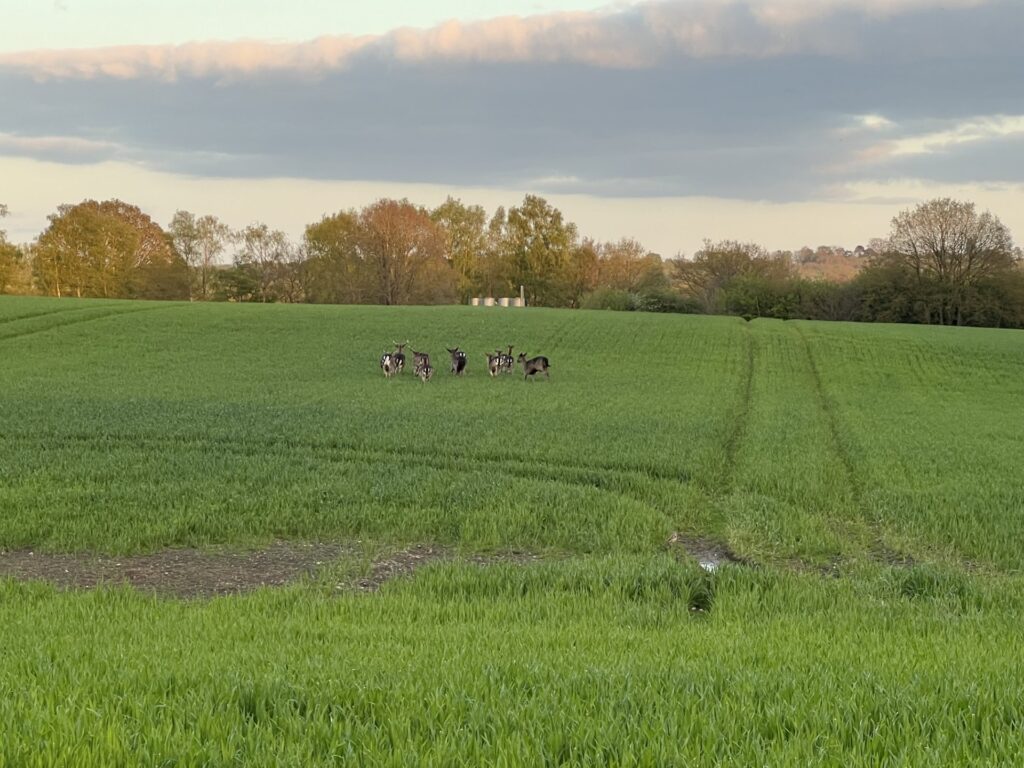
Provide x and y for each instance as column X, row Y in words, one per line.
column 868, row 478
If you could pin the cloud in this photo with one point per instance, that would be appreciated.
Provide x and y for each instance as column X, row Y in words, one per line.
column 874, row 122
column 638, row 35
column 70, row 149
column 968, row 132
column 764, row 101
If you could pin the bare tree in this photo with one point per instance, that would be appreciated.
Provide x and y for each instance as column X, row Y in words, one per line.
column 716, row 266
column 200, row 241
column 950, row 249
column 272, row 259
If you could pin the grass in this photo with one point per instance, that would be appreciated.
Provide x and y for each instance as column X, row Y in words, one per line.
column 885, row 454
column 502, row 666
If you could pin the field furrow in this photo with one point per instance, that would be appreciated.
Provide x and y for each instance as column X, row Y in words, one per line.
column 16, row 328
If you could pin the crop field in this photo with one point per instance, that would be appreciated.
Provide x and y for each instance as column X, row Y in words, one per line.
column 506, row 572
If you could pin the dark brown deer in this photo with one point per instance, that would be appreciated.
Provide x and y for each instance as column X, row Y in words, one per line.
column 458, row 361
column 399, row 355
column 534, row 366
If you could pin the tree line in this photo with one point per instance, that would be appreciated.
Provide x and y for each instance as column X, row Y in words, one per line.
column 941, row 263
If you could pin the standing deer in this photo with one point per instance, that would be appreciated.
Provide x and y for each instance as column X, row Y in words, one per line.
column 399, row 355
column 534, row 366
column 419, row 358
column 388, row 364
column 458, row 361
column 424, row 370
column 494, row 363
column 505, row 360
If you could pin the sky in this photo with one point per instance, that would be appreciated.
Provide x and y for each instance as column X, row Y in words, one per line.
column 784, row 122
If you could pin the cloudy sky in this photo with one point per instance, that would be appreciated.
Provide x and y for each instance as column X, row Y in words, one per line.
column 788, row 122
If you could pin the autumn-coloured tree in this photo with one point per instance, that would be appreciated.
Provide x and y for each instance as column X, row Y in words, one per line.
column 403, row 250
column 627, row 266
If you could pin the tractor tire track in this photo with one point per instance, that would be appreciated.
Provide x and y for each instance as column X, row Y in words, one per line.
column 742, row 418
column 613, row 482
column 379, row 452
column 36, row 315
column 831, row 417
column 76, row 321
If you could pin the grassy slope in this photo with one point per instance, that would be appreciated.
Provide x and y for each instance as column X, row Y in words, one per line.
column 135, row 426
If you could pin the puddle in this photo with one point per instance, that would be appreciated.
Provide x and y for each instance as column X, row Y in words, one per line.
column 709, row 554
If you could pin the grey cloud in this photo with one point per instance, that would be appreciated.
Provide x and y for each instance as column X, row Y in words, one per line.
column 777, row 127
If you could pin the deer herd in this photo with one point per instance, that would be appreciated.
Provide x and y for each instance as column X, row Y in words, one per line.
column 500, row 362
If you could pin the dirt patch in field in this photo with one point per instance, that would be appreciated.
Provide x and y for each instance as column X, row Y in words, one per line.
column 178, row 572
column 887, row 556
column 197, row 573
column 403, row 563
column 407, row 561
column 709, row 553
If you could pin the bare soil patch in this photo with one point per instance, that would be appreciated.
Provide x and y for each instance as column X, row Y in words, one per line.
column 403, row 563
column 176, row 572
column 193, row 573
column 887, row 556
column 411, row 559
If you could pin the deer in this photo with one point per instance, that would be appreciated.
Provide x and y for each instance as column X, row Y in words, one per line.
column 534, row 366
column 388, row 364
column 419, row 359
column 399, row 355
column 458, row 361
column 505, row 360
column 424, row 369
column 494, row 363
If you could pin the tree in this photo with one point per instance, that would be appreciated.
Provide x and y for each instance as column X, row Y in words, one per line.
column 403, row 250
column 465, row 240
column 271, row 261
column 200, row 241
column 582, row 269
column 10, row 257
column 627, row 266
column 953, row 253
column 538, row 247
column 336, row 272
column 717, row 267
column 492, row 272
column 109, row 249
